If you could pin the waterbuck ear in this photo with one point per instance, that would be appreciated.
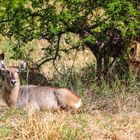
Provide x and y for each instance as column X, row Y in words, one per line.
column 22, row 65
column 2, row 66
column 2, row 56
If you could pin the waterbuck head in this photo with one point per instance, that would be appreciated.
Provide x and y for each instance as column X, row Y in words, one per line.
column 12, row 73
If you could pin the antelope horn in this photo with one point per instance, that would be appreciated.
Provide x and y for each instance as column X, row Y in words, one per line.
column 2, row 66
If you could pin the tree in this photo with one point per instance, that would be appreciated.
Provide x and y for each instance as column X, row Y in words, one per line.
column 105, row 26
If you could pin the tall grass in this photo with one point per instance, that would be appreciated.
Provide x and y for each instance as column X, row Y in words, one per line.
column 67, row 126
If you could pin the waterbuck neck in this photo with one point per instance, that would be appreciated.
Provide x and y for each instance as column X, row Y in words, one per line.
column 11, row 93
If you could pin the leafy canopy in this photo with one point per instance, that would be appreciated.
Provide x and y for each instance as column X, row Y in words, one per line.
column 49, row 19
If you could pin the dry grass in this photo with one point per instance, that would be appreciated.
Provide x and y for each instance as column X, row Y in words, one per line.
column 107, row 117
column 23, row 125
column 115, row 118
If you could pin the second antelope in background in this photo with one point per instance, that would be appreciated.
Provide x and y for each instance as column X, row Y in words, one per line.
column 39, row 97
column 133, row 58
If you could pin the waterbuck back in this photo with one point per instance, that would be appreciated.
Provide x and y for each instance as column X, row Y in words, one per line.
column 39, row 97
column 44, row 97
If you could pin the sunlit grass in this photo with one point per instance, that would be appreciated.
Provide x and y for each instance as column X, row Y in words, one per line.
column 67, row 126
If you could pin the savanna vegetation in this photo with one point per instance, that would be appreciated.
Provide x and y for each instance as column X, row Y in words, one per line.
column 82, row 45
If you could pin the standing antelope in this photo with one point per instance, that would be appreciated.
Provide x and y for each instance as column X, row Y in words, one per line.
column 134, row 65
column 135, row 47
column 133, row 59
column 39, row 97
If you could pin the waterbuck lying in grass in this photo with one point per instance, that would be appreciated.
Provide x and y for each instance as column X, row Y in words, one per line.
column 38, row 97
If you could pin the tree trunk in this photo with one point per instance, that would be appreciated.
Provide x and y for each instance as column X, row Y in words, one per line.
column 99, row 67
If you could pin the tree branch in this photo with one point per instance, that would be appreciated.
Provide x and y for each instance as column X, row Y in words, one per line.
column 55, row 56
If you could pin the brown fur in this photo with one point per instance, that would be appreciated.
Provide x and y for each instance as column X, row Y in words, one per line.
column 10, row 94
column 135, row 46
column 134, row 65
column 133, row 60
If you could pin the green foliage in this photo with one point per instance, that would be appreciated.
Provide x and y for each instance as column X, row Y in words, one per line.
column 70, row 133
column 11, row 112
column 4, row 131
column 90, row 38
column 26, row 20
column 42, row 18
column 123, row 15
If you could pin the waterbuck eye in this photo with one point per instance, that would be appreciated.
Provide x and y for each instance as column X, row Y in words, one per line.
column 8, row 72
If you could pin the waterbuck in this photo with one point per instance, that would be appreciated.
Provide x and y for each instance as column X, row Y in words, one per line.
column 134, row 65
column 133, row 58
column 38, row 97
